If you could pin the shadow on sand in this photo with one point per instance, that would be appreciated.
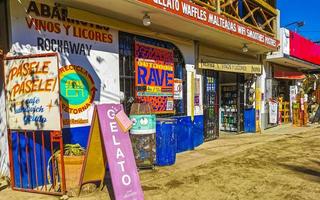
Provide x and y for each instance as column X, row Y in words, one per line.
column 307, row 173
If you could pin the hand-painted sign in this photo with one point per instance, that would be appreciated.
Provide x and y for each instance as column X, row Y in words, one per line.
column 77, row 91
column 178, row 89
column 191, row 11
column 69, row 27
column 32, row 92
column 273, row 112
column 239, row 68
column 154, row 78
column 118, row 151
column 197, row 91
column 79, row 38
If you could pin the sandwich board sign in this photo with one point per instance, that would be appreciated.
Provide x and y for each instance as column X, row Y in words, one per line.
column 108, row 144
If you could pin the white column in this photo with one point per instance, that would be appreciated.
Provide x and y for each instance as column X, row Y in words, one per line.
column 4, row 153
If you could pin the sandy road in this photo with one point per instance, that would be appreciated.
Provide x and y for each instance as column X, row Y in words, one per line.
column 274, row 166
column 282, row 163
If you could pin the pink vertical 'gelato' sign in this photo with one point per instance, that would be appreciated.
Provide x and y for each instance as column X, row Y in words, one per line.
column 122, row 165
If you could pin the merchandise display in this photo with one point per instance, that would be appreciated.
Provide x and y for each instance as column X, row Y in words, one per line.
column 228, row 109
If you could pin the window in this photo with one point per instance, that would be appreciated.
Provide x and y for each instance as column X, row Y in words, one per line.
column 127, row 68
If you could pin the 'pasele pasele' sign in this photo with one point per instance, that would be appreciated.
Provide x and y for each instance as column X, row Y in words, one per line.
column 32, row 92
column 194, row 12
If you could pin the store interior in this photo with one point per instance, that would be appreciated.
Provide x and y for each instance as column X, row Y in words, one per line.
column 228, row 102
column 237, row 104
column 281, row 88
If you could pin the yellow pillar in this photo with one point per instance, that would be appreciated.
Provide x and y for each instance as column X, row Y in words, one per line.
column 192, row 95
column 258, row 107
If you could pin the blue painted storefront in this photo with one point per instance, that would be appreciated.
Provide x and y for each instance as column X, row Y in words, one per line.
column 188, row 135
column 35, row 158
column 250, row 120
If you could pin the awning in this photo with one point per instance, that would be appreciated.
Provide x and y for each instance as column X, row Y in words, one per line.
column 216, row 32
column 296, row 52
column 279, row 74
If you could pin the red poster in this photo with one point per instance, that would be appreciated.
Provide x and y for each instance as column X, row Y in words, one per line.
column 154, row 77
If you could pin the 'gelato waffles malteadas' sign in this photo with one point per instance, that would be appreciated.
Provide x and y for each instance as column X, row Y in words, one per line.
column 32, row 92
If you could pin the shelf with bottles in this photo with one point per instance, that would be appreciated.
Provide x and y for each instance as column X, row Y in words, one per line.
column 228, row 121
column 229, row 115
column 229, row 128
column 229, row 108
column 229, row 88
column 229, row 95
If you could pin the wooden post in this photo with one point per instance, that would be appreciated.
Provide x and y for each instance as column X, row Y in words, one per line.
column 218, row 6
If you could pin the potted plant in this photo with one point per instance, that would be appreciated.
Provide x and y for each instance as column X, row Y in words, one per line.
column 73, row 160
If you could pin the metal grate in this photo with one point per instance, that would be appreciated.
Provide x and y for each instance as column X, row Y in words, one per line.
column 211, row 105
column 32, row 166
column 127, row 69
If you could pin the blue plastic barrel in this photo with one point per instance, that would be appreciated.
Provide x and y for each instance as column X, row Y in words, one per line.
column 184, row 131
column 166, row 141
column 198, row 130
column 250, row 120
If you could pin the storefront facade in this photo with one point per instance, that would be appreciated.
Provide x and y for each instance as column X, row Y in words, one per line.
column 286, row 70
column 217, row 48
column 94, row 52
column 234, row 80
column 105, row 57
column 98, row 54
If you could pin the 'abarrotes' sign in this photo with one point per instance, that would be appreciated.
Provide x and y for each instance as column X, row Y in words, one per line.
column 41, row 20
column 32, row 92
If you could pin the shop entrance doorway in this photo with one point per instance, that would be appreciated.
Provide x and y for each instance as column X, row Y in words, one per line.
column 211, row 105
column 231, row 111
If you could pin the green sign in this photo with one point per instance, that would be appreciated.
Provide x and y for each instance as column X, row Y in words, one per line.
column 143, row 124
column 76, row 88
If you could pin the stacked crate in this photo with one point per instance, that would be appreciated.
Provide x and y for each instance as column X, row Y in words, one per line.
column 284, row 111
column 300, row 113
column 305, row 114
column 296, row 109
column 295, row 114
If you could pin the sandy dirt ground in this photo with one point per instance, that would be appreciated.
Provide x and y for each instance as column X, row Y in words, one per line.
column 283, row 163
